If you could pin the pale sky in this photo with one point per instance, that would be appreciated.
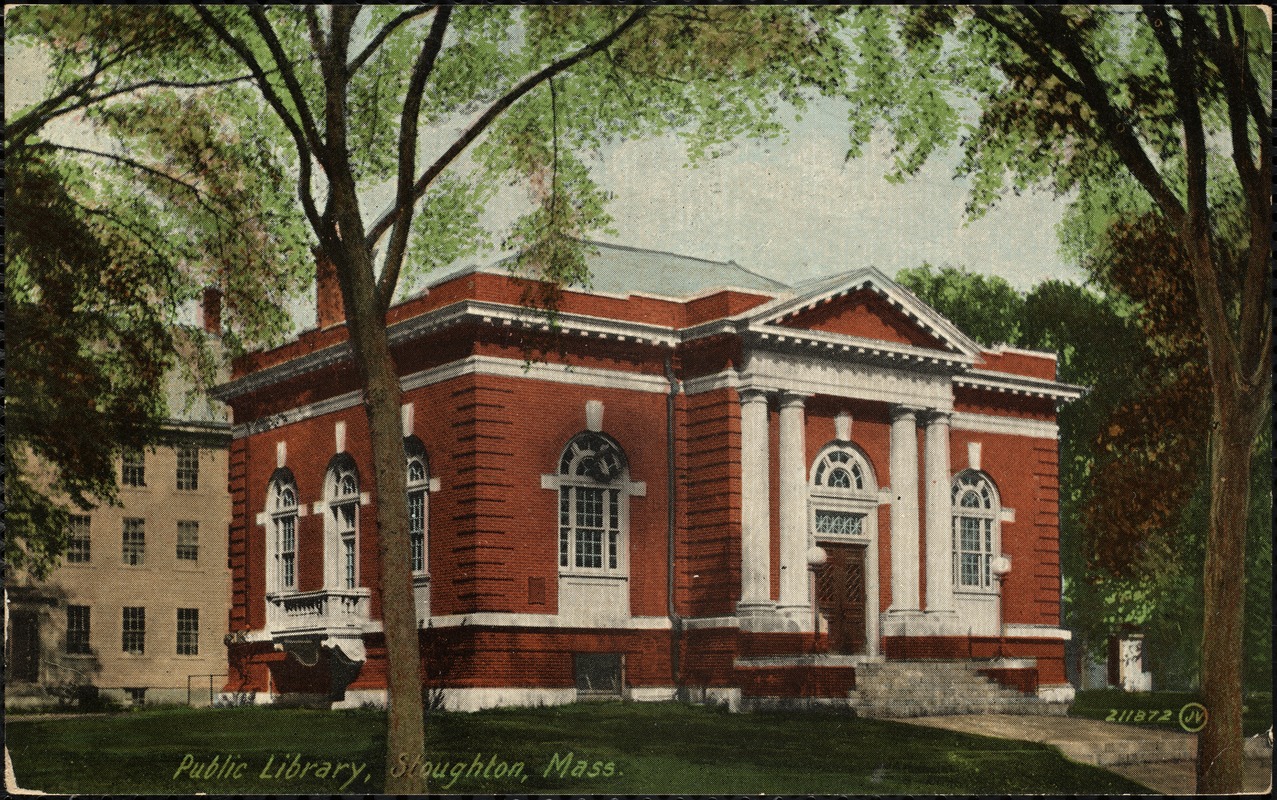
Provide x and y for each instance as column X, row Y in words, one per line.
column 788, row 210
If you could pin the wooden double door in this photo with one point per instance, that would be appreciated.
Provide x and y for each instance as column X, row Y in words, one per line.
column 840, row 596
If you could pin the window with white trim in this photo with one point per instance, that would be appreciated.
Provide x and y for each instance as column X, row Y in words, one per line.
column 343, row 510
column 188, row 631
column 133, row 631
column 840, row 468
column 975, row 531
column 188, row 468
column 188, row 540
column 282, row 506
column 134, row 542
column 418, row 484
column 78, row 626
column 79, row 548
column 133, row 467
column 593, row 506
column 843, row 493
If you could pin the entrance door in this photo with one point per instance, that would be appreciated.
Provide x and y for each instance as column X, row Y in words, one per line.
column 24, row 646
column 840, row 596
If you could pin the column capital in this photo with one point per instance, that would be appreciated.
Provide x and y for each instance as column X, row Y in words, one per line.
column 934, row 416
column 790, row 399
column 753, row 394
column 901, row 411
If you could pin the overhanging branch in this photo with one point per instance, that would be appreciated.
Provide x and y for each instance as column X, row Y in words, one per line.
column 493, row 112
column 276, row 103
column 384, row 33
column 289, row 76
column 408, row 155
column 1054, row 33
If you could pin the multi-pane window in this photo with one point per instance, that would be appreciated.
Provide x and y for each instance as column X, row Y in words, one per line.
column 188, row 540
column 188, row 631
column 284, row 534
column 840, row 468
column 78, row 549
column 839, row 523
column 345, row 516
column 591, row 505
column 843, row 493
column 975, row 512
column 134, row 541
column 417, row 485
column 78, row 630
column 134, row 630
column 188, row 468
column 133, row 467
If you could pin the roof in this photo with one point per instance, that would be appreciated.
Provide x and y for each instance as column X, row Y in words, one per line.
column 616, row 269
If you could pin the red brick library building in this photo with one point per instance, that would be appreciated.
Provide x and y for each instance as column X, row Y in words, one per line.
column 703, row 485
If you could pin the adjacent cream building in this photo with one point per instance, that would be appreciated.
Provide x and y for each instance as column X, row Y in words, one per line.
column 138, row 606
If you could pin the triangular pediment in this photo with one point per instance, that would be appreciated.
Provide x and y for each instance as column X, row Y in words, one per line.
column 865, row 306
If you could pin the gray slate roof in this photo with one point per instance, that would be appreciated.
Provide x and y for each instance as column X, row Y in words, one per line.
column 616, row 269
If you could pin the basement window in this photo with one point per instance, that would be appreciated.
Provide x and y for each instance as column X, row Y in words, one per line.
column 598, row 675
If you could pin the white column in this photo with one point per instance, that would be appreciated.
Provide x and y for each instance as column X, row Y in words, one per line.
column 904, row 509
column 755, row 571
column 939, row 514
column 794, row 577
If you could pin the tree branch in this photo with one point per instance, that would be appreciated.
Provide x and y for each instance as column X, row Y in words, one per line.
column 133, row 87
column 304, row 154
column 408, row 155
column 1054, row 32
column 133, row 164
column 290, row 81
column 385, row 32
column 1195, row 232
column 316, row 34
column 1256, row 310
column 17, row 130
column 496, row 110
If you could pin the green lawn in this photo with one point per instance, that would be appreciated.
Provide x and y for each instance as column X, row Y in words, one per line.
column 1161, row 709
column 603, row 748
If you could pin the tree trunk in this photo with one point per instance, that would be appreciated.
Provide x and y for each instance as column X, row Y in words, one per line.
column 405, row 724
column 1219, row 743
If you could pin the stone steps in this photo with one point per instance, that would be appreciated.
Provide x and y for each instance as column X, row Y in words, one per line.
column 937, row 688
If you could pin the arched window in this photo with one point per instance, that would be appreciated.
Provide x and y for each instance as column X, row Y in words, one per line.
column 342, row 489
column 593, row 505
column 975, row 530
column 840, row 468
column 282, row 508
column 843, row 491
column 418, row 499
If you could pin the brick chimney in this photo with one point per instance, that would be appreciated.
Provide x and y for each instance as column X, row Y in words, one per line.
column 211, row 306
column 329, row 310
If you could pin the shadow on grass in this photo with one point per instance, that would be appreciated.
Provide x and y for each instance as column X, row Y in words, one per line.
column 606, row 748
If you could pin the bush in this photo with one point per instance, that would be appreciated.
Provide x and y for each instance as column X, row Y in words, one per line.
column 235, row 699
column 82, row 697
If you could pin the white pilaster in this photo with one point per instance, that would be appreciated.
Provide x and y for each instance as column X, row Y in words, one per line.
column 405, row 419
column 794, row 578
column 939, row 515
column 755, row 569
column 904, row 510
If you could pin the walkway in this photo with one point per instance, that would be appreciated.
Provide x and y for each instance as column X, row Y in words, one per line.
column 1160, row 759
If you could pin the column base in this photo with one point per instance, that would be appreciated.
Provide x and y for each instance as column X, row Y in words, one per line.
column 902, row 622
column 797, row 617
column 922, row 623
column 761, row 618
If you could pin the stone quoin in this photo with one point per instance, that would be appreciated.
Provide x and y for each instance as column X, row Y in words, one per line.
column 837, row 467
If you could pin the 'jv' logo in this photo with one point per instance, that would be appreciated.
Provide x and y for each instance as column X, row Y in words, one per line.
column 1192, row 717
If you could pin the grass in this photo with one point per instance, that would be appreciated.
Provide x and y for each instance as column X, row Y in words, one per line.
column 1110, row 704
column 652, row 748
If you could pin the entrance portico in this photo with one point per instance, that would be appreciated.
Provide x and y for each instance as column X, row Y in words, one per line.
column 920, row 533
